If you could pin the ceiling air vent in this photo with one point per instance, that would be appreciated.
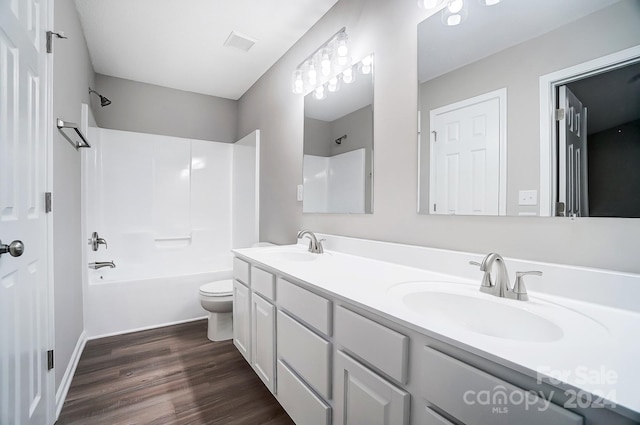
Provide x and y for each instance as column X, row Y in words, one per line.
column 239, row 41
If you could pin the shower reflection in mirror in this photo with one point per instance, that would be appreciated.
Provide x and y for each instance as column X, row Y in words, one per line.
column 338, row 143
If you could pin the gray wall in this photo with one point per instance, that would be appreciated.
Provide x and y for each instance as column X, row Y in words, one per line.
column 519, row 69
column 147, row 108
column 380, row 26
column 317, row 134
column 72, row 75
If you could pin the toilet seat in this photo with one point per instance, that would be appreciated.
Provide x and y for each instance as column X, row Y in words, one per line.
column 219, row 288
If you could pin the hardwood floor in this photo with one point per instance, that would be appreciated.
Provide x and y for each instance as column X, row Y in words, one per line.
column 171, row 375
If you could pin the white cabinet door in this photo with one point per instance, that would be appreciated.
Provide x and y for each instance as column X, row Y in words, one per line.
column 362, row 397
column 263, row 326
column 242, row 319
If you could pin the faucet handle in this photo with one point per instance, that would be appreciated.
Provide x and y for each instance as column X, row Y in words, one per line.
column 486, row 278
column 519, row 290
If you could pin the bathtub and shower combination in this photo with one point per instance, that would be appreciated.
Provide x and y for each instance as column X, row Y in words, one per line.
column 170, row 209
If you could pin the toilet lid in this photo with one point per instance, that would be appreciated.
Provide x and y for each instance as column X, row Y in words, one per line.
column 219, row 288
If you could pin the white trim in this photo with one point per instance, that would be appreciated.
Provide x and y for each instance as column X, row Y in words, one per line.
column 501, row 95
column 48, row 118
column 65, row 384
column 548, row 142
column 146, row 328
column 257, row 188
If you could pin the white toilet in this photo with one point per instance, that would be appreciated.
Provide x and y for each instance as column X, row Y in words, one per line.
column 217, row 298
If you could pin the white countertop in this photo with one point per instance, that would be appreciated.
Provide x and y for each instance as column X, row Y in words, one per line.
column 605, row 363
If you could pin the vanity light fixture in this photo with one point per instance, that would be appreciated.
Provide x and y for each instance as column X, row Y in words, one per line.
column 323, row 65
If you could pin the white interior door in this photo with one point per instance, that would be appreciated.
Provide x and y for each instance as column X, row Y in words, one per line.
column 572, row 158
column 466, row 157
column 25, row 394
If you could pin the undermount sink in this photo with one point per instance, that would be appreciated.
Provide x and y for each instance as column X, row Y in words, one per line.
column 464, row 306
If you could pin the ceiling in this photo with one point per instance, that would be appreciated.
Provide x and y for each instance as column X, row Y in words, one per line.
column 180, row 43
column 488, row 30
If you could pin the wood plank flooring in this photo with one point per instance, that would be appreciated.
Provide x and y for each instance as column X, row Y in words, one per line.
column 171, row 375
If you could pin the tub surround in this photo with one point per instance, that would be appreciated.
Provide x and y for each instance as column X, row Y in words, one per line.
column 605, row 298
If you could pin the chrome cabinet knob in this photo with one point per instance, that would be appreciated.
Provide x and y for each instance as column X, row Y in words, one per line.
column 15, row 248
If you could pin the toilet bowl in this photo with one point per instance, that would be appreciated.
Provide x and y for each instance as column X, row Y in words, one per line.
column 217, row 298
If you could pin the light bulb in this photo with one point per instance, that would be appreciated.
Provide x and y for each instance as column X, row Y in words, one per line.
column 319, row 93
column 333, row 84
column 343, row 49
column 366, row 61
column 366, row 69
column 298, row 83
column 455, row 6
column 453, row 20
column 347, row 75
column 312, row 75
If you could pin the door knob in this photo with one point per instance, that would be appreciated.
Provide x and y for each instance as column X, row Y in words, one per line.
column 15, row 248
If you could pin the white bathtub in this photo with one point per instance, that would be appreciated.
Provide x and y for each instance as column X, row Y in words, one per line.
column 117, row 304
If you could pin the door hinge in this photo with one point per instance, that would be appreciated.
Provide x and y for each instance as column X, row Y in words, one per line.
column 559, row 114
column 559, row 209
column 434, row 208
column 47, row 202
column 49, row 359
column 50, row 35
column 435, row 136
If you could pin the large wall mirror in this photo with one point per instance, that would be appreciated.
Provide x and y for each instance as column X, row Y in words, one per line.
column 338, row 144
column 491, row 141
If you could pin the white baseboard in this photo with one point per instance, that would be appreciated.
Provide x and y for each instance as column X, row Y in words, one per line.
column 145, row 328
column 61, row 394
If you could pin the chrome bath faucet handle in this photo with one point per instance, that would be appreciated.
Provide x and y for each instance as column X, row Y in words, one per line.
column 519, row 290
column 95, row 241
column 486, row 284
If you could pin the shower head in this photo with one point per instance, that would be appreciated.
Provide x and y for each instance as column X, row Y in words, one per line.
column 103, row 100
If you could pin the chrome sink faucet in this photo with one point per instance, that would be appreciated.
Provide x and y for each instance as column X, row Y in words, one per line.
column 501, row 287
column 315, row 245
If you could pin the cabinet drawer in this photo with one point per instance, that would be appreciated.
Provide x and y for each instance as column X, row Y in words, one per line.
column 458, row 389
column 307, row 306
column 432, row 418
column 304, row 407
column 241, row 270
column 378, row 345
column 263, row 283
column 305, row 352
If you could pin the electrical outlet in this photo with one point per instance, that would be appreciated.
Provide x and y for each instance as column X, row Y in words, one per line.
column 528, row 197
column 300, row 193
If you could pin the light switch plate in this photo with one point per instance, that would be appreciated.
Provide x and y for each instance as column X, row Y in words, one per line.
column 528, row 197
column 300, row 193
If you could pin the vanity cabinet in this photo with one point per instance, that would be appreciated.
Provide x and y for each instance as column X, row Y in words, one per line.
column 304, row 352
column 242, row 319
column 254, row 319
column 263, row 327
column 329, row 361
column 363, row 397
column 472, row 396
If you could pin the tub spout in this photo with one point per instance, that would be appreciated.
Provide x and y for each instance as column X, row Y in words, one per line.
column 100, row 264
